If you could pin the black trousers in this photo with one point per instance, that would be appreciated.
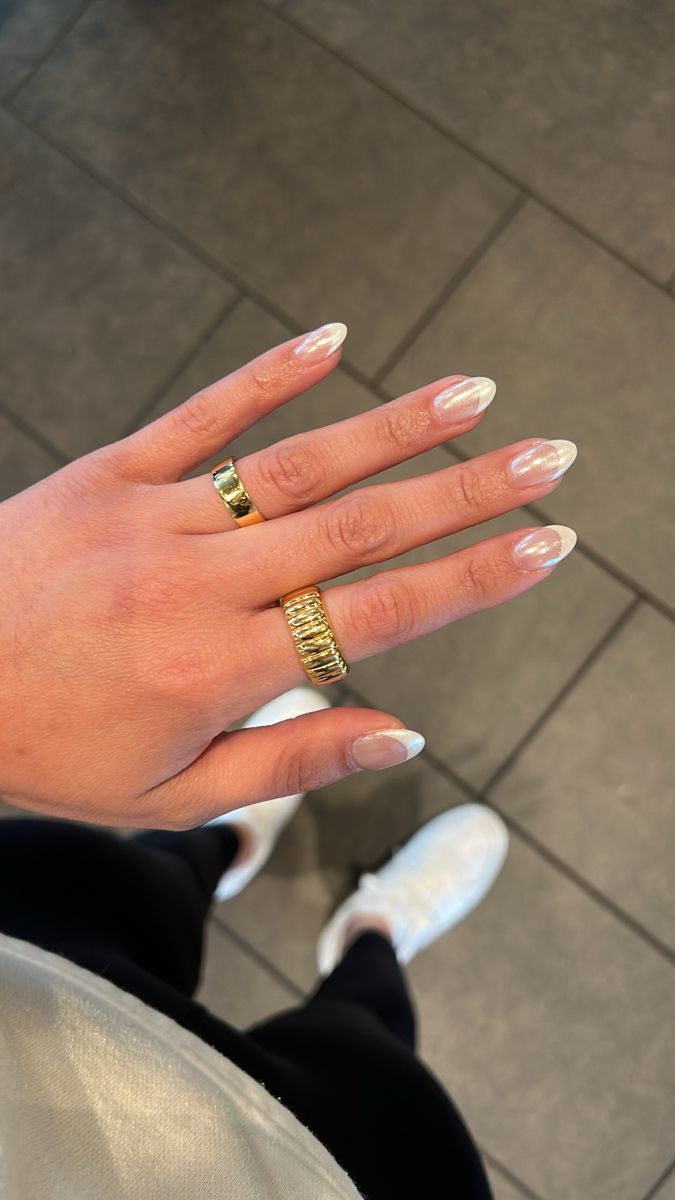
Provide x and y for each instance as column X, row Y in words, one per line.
column 343, row 1062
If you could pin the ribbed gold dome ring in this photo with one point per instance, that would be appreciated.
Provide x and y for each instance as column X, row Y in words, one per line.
column 313, row 635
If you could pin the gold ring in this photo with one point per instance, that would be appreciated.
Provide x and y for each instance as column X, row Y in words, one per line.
column 234, row 495
column 313, row 635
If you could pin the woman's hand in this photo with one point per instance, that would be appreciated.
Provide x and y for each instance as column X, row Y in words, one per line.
column 139, row 622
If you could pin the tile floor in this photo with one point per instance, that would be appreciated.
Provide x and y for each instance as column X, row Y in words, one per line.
column 479, row 188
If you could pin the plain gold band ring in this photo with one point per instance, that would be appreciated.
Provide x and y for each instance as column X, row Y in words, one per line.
column 313, row 635
column 234, row 495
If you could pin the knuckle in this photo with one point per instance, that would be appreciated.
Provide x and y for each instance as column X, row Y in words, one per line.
column 386, row 611
column 403, row 427
column 480, row 580
column 296, row 770
column 200, row 415
column 357, row 526
column 293, row 470
column 468, row 489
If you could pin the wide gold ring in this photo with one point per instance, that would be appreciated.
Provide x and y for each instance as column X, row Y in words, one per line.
column 313, row 635
column 234, row 495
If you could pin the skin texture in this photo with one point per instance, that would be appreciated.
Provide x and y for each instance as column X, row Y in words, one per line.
column 138, row 622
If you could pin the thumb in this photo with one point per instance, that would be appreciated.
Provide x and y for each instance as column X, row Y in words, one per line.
column 298, row 755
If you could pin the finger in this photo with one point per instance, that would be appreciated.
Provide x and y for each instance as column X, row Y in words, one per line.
column 309, row 467
column 293, row 756
column 399, row 605
column 377, row 523
column 176, row 443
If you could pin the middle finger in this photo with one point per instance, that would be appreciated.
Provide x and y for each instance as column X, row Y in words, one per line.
column 383, row 521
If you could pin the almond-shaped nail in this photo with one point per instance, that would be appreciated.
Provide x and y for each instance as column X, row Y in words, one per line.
column 465, row 399
column 542, row 463
column 321, row 343
column 545, row 547
column 386, row 748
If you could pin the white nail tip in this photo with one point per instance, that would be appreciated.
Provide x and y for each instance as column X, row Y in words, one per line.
column 465, row 399
column 322, row 342
column 566, row 452
column 413, row 743
column 568, row 538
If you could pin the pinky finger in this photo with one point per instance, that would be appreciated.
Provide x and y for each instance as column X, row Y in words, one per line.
column 402, row 604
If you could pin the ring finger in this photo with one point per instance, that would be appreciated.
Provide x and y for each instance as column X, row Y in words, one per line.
column 309, row 467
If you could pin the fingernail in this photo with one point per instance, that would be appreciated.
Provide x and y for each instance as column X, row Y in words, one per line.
column 465, row 399
column 321, row 343
column 542, row 463
column 386, row 748
column 544, row 547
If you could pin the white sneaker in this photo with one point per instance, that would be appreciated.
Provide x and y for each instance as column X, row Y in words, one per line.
column 429, row 885
column 264, row 821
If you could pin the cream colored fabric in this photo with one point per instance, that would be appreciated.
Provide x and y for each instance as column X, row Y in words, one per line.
column 102, row 1098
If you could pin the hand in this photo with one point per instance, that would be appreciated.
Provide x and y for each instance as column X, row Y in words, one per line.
column 139, row 622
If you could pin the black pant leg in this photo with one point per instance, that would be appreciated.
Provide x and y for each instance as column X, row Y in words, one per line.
column 75, row 889
column 370, row 977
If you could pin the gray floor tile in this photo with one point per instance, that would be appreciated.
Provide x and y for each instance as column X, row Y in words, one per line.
column 549, row 1021
column 596, row 783
column 235, row 986
column 27, row 30
column 581, row 348
column 22, row 461
column 96, row 307
column 247, row 332
column 576, row 100
column 281, row 162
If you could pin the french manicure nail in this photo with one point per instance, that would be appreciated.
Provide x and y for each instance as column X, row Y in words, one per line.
column 465, row 399
column 321, row 343
column 544, row 547
column 386, row 748
column 542, row 463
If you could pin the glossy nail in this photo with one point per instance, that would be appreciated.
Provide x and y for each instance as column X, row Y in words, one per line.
column 386, row 748
column 544, row 547
column 466, row 399
column 542, row 463
column 321, row 343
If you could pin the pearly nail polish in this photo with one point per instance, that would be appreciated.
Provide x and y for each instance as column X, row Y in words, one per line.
column 545, row 547
column 321, row 343
column 386, row 748
column 542, row 463
column 465, row 399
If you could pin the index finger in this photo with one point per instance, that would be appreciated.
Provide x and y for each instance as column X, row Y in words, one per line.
column 188, row 435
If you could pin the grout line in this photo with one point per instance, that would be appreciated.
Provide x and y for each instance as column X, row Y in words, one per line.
column 449, row 134
column 654, row 1189
column 582, row 670
column 584, row 885
column 257, row 957
column 39, row 438
column 498, row 1165
column 224, row 314
column 457, row 278
column 62, row 34
column 563, row 868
